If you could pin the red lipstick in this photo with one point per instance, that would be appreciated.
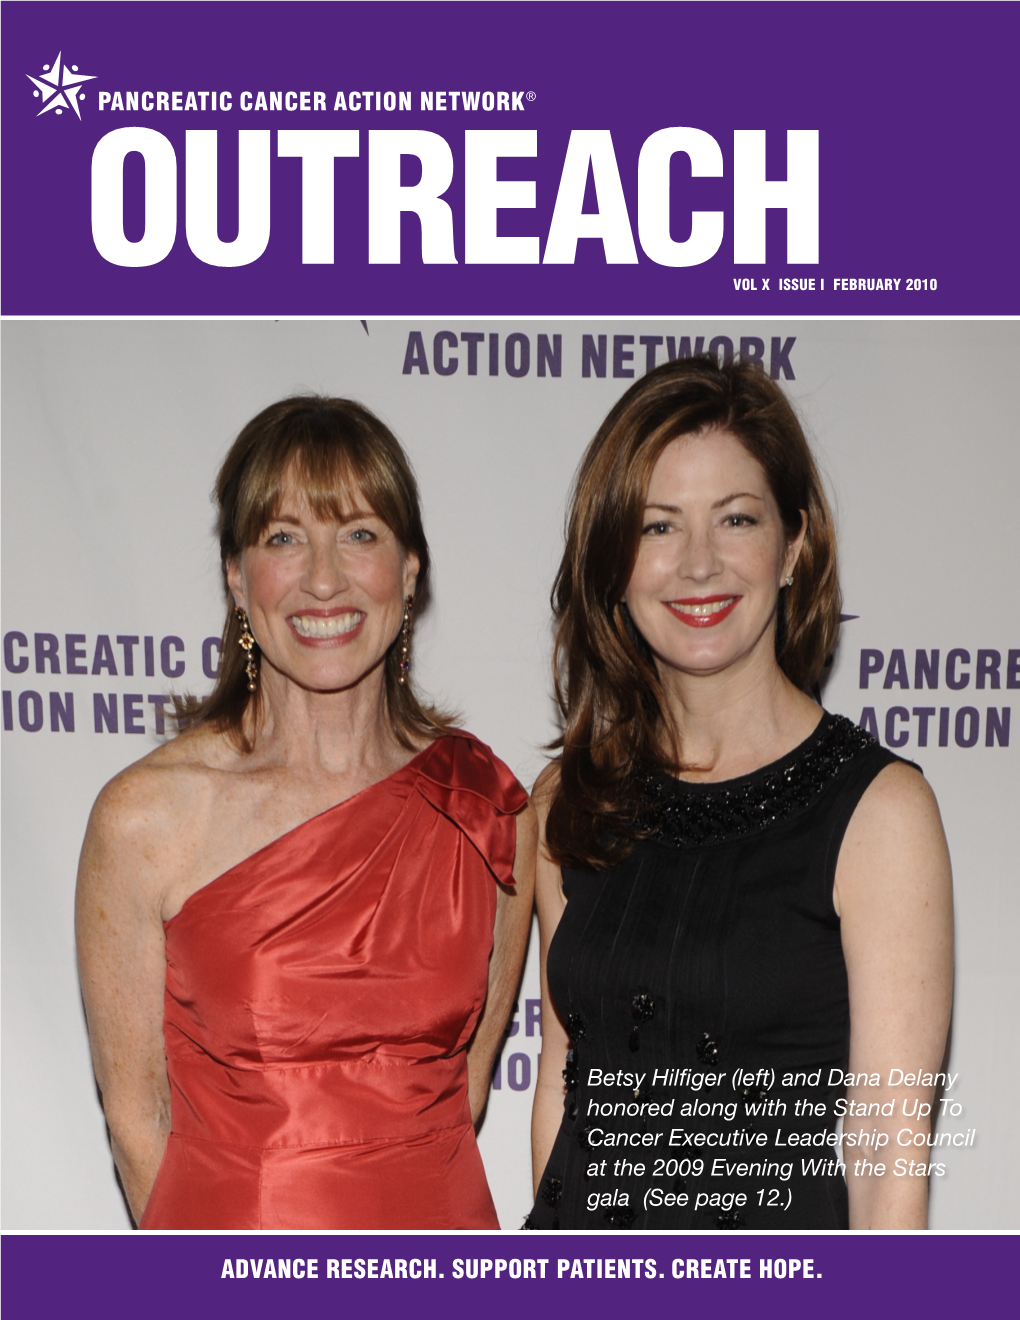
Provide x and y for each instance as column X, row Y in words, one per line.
column 697, row 619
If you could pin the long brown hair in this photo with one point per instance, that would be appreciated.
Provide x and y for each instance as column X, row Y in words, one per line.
column 606, row 683
column 334, row 448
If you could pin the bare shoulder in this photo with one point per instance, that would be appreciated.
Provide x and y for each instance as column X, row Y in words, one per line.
column 895, row 841
column 549, row 896
column 133, row 835
column 153, row 791
column 544, row 791
column 525, row 850
column 898, row 799
column 527, row 829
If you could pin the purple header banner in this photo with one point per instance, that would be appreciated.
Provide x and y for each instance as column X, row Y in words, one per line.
column 509, row 159
column 601, row 1275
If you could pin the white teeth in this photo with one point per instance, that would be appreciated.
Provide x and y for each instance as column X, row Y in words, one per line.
column 313, row 625
column 701, row 611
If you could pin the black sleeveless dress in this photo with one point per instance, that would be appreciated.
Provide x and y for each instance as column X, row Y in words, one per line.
column 703, row 986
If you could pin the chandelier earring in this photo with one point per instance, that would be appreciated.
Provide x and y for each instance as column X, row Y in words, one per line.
column 247, row 644
column 404, row 664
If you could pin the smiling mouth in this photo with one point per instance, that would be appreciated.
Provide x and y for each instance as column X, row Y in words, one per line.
column 703, row 612
column 316, row 627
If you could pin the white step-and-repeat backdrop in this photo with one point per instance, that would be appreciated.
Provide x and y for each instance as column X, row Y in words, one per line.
column 112, row 434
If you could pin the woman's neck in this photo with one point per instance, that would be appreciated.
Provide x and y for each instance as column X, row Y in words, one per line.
column 731, row 723
column 335, row 734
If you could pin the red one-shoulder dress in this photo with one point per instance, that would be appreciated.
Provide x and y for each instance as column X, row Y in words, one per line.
column 320, row 997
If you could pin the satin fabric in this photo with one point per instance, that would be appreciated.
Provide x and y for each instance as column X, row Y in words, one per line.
column 319, row 1000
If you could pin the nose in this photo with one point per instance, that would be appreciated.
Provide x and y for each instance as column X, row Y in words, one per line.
column 699, row 561
column 325, row 576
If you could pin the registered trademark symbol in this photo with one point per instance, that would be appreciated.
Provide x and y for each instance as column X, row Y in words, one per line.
column 529, row 96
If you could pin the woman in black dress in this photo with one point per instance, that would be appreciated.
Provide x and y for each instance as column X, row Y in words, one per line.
column 745, row 902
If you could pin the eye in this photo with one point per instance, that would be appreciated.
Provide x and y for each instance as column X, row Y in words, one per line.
column 739, row 520
column 361, row 536
column 281, row 538
column 658, row 528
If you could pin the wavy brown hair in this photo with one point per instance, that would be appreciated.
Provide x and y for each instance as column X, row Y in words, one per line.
column 336, row 450
column 607, row 687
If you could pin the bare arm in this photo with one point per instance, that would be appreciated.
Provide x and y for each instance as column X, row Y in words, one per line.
column 122, row 965
column 547, row 1113
column 893, row 892
column 510, row 942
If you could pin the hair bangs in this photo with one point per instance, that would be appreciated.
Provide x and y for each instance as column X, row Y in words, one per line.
column 333, row 473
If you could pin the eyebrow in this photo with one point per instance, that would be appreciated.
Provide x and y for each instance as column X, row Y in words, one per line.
column 727, row 499
column 738, row 495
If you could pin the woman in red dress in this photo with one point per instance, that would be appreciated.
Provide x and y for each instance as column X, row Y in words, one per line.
column 301, row 922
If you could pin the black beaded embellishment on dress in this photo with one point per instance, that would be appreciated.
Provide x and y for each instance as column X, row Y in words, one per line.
column 642, row 1009
column 552, row 1190
column 575, row 1027
column 688, row 816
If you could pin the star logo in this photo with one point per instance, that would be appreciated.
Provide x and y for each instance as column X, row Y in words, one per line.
column 58, row 86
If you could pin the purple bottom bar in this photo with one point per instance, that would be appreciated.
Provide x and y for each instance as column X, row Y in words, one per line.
column 181, row 1277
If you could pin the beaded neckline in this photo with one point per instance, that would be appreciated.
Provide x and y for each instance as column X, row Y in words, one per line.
column 687, row 815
